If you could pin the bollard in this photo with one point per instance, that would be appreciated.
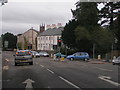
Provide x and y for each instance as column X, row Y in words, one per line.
column 54, row 57
column 99, row 57
column 34, row 56
column 114, row 57
column 62, row 59
column 51, row 55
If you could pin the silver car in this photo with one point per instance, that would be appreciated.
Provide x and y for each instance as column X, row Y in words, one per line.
column 23, row 56
column 44, row 54
column 116, row 61
column 35, row 54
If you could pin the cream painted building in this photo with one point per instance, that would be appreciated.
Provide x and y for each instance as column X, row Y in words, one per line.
column 47, row 40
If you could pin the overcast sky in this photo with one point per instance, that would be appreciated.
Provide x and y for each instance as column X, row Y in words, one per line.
column 19, row 16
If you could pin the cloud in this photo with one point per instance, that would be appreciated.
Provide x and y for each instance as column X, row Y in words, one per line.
column 18, row 17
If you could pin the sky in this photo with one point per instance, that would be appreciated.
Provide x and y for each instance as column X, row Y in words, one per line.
column 20, row 15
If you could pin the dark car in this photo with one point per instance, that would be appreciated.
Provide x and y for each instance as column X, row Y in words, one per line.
column 23, row 56
column 60, row 55
column 79, row 55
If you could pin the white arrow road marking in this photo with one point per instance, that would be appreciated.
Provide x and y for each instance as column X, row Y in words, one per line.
column 7, row 60
column 50, row 71
column 106, row 78
column 5, row 67
column 28, row 83
column 41, row 65
column 68, row 82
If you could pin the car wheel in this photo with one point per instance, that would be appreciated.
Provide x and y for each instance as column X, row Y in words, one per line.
column 16, row 64
column 71, row 59
column 86, row 59
column 113, row 63
column 31, row 63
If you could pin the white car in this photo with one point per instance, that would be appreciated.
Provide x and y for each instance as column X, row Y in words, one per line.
column 35, row 54
column 116, row 61
column 44, row 54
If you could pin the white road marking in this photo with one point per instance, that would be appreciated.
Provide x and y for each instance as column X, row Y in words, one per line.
column 28, row 83
column 68, row 82
column 50, row 71
column 7, row 60
column 5, row 67
column 103, row 69
column 41, row 65
column 107, row 79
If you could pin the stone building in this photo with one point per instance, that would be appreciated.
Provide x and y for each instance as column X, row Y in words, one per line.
column 27, row 40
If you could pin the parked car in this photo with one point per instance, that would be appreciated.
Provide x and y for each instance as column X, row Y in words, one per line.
column 116, row 60
column 44, row 54
column 60, row 55
column 35, row 54
column 23, row 56
column 79, row 55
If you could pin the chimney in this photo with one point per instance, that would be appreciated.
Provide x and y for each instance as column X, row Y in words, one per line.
column 48, row 26
column 42, row 28
column 53, row 25
column 59, row 25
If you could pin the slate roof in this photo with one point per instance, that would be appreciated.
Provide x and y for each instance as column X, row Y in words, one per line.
column 53, row 31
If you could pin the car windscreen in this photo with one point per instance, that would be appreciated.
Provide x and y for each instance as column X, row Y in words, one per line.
column 22, row 53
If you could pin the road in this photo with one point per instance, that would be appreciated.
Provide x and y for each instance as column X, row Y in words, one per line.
column 50, row 74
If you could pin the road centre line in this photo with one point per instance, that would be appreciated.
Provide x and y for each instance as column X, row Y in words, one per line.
column 50, row 71
column 103, row 69
column 68, row 82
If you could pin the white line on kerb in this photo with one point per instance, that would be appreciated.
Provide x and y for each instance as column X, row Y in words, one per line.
column 68, row 82
column 41, row 65
column 50, row 71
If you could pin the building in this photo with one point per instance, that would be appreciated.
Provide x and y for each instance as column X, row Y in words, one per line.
column 27, row 40
column 47, row 40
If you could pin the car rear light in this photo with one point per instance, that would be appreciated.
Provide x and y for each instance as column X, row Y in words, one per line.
column 29, row 52
column 16, row 53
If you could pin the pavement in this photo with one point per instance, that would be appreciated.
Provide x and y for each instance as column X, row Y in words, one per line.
column 96, row 61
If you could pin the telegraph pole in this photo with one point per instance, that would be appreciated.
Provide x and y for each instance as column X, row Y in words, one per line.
column 94, row 51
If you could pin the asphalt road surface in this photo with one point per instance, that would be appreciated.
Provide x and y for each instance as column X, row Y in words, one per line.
column 50, row 74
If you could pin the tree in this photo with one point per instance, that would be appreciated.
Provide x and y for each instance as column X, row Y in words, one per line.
column 109, row 12
column 83, row 39
column 87, row 32
column 68, row 36
column 11, row 38
column 25, row 43
column 19, row 44
column 116, row 30
column 86, row 14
